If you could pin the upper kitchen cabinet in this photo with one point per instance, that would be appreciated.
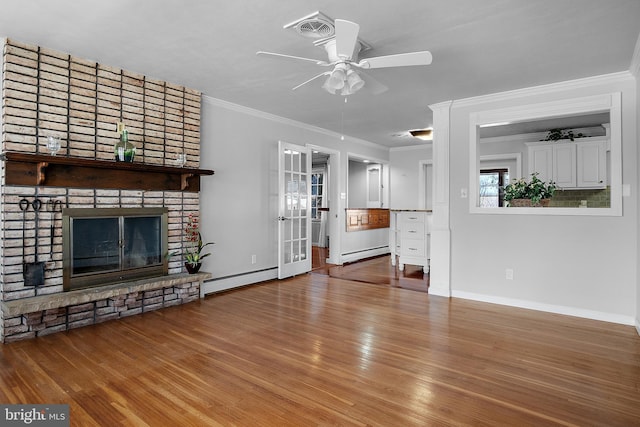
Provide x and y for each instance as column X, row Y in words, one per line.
column 571, row 165
column 592, row 163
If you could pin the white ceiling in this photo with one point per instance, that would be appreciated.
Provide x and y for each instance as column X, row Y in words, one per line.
column 478, row 47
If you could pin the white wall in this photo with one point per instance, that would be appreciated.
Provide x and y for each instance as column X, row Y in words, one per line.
column 581, row 265
column 239, row 204
column 404, row 175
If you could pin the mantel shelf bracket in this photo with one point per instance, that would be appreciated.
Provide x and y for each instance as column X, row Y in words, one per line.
column 40, row 174
column 184, row 178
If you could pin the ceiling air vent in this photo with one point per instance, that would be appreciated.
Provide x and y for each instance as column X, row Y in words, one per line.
column 315, row 29
column 314, row 26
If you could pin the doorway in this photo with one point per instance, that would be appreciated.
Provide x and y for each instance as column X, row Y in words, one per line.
column 325, row 231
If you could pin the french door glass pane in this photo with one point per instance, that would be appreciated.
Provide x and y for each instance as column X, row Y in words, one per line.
column 303, row 195
column 288, row 257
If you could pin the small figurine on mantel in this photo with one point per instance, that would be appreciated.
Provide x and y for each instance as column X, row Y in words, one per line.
column 124, row 150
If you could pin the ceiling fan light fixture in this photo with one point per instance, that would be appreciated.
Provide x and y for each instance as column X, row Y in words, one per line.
column 354, row 81
column 326, row 86
column 343, row 79
column 346, row 91
column 336, row 79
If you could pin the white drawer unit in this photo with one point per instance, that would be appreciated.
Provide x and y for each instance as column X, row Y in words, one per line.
column 412, row 248
column 411, row 239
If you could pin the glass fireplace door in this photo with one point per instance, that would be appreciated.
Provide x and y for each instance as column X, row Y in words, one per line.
column 109, row 245
column 96, row 245
column 142, row 241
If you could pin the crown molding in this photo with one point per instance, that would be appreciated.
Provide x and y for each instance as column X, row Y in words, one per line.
column 586, row 82
column 441, row 105
column 285, row 121
column 426, row 145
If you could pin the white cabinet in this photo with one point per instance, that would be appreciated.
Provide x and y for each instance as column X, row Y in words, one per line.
column 410, row 232
column 592, row 164
column 578, row 164
column 564, row 165
column 541, row 161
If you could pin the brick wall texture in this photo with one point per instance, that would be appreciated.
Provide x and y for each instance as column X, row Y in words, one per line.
column 48, row 93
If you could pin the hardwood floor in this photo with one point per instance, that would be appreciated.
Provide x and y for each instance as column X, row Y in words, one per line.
column 377, row 271
column 320, row 350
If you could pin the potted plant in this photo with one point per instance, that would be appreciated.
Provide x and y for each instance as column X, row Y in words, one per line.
column 557, row 134
column 534, row 192
column 193, row 253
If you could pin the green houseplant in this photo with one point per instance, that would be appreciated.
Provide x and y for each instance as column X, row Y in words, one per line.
column 193, row 254
column 535, row 191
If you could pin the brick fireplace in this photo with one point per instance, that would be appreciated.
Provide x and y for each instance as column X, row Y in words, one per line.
column 49, row 93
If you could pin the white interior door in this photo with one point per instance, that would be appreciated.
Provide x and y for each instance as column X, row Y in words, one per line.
column 294, row 216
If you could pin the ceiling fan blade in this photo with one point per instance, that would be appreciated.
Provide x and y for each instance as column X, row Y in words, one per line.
column 399, row 60
column 298, row 58
column 346, row 38
column 372, row 85
column 326, row 73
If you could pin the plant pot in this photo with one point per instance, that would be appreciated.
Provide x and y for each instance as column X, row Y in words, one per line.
column 526, row 203
column 520, row 203
column 192, row 269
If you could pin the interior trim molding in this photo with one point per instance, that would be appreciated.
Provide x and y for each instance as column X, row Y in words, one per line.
column 365, row 253
column 586, row 82
column 422, row 165
column 549, row 308
column 505, row 156
column 428, row 145
column 237, row 281
column 283, row 120
column 607, row 101
column 634, row 67
column 440, row 265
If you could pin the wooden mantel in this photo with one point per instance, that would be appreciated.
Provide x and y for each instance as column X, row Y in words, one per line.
column 60, row 171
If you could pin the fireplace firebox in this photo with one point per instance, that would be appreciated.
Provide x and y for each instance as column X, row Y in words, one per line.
column 107, row 245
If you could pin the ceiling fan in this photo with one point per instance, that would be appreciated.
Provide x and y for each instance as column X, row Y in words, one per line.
column 343, row 49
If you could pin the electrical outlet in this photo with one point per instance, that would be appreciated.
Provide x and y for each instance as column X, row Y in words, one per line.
column 508, row 274
column 463, row 193
column 253, row 259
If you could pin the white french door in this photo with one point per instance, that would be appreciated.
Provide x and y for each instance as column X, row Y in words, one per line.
column 294, row 213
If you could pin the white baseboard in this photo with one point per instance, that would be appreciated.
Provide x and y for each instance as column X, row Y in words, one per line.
column 441, row 291
column 365, row 253
column 638, row 326
column 226, row 283
column 550, row 308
